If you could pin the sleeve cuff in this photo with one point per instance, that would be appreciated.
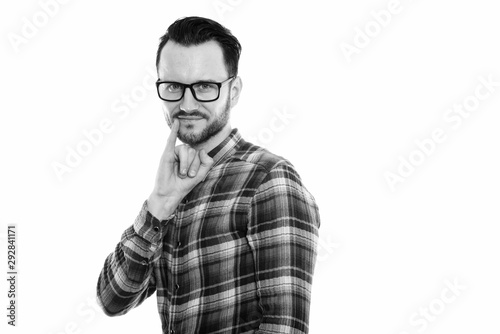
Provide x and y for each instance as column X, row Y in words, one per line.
column 148, row 226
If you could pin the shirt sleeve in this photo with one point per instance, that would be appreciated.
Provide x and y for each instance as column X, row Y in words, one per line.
column 127, row 277
column 283, row 234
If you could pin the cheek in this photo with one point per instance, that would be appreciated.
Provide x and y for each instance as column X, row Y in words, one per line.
column 168, row 107
column 208, row 109
column 216, row 108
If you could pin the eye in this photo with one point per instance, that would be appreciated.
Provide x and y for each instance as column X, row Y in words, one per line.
column 173, row 87
column 205, row 87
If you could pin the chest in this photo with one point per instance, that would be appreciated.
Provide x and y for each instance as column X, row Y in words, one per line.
column 214, row 214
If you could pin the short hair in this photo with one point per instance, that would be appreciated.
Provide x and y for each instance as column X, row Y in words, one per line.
column 194, row 30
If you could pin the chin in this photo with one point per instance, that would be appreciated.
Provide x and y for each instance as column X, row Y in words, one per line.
column 191, row 136
column 191, row 129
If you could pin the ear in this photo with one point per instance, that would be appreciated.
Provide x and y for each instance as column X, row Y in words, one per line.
column 236, row 87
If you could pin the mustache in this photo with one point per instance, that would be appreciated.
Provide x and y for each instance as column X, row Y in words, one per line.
column 182, row 113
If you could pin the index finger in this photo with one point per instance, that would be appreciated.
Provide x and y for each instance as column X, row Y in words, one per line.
column 173, row 135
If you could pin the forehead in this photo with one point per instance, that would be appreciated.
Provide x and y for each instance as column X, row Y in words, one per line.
column 192, row 63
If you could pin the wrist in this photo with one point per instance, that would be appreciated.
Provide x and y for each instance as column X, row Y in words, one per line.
column 160, row 207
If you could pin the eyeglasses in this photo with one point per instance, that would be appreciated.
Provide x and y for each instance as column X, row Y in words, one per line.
column 203, row 91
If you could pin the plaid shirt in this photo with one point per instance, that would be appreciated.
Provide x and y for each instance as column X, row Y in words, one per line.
column 238, row 257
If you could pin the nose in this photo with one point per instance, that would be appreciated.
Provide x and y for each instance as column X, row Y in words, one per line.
column 188, row 102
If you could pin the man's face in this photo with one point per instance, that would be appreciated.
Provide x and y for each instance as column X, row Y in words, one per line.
column 199, row 121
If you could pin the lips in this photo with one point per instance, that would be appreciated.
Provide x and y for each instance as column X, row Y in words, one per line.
column 194, row 116
column 190, row 118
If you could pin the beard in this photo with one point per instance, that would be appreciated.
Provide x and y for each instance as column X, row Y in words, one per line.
column 214, row 127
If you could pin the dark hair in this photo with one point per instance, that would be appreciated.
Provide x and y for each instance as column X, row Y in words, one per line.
column 196, row 30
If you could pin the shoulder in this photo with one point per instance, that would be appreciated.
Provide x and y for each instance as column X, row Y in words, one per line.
column 260, row 157
column 279, row 192
column 268, row 169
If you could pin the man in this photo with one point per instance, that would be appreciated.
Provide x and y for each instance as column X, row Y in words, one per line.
column 228, row 236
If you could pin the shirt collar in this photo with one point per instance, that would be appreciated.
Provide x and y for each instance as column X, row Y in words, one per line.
column 225, row 147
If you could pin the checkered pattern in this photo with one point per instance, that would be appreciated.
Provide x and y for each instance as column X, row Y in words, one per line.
column 238, row 257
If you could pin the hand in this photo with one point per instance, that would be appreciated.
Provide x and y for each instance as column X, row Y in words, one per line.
column 181, row 169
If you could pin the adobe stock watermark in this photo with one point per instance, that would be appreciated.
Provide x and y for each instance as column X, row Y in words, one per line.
column 326, row 248
column 31, row 26
column 223, row 6
column 94, row 137
column 363, row 36
column 452, row 117
column 85, row 313
column 278, row 122
column 421, row 319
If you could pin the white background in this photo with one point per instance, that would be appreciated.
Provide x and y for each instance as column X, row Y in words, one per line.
column 385, row 254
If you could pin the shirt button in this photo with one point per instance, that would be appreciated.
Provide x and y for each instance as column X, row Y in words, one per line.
column 179, row 244
column 177, row 286
column 144, row 262
column 156, row 228
column 172, row 331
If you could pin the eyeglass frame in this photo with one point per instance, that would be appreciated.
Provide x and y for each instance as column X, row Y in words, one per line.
column 190, row 86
